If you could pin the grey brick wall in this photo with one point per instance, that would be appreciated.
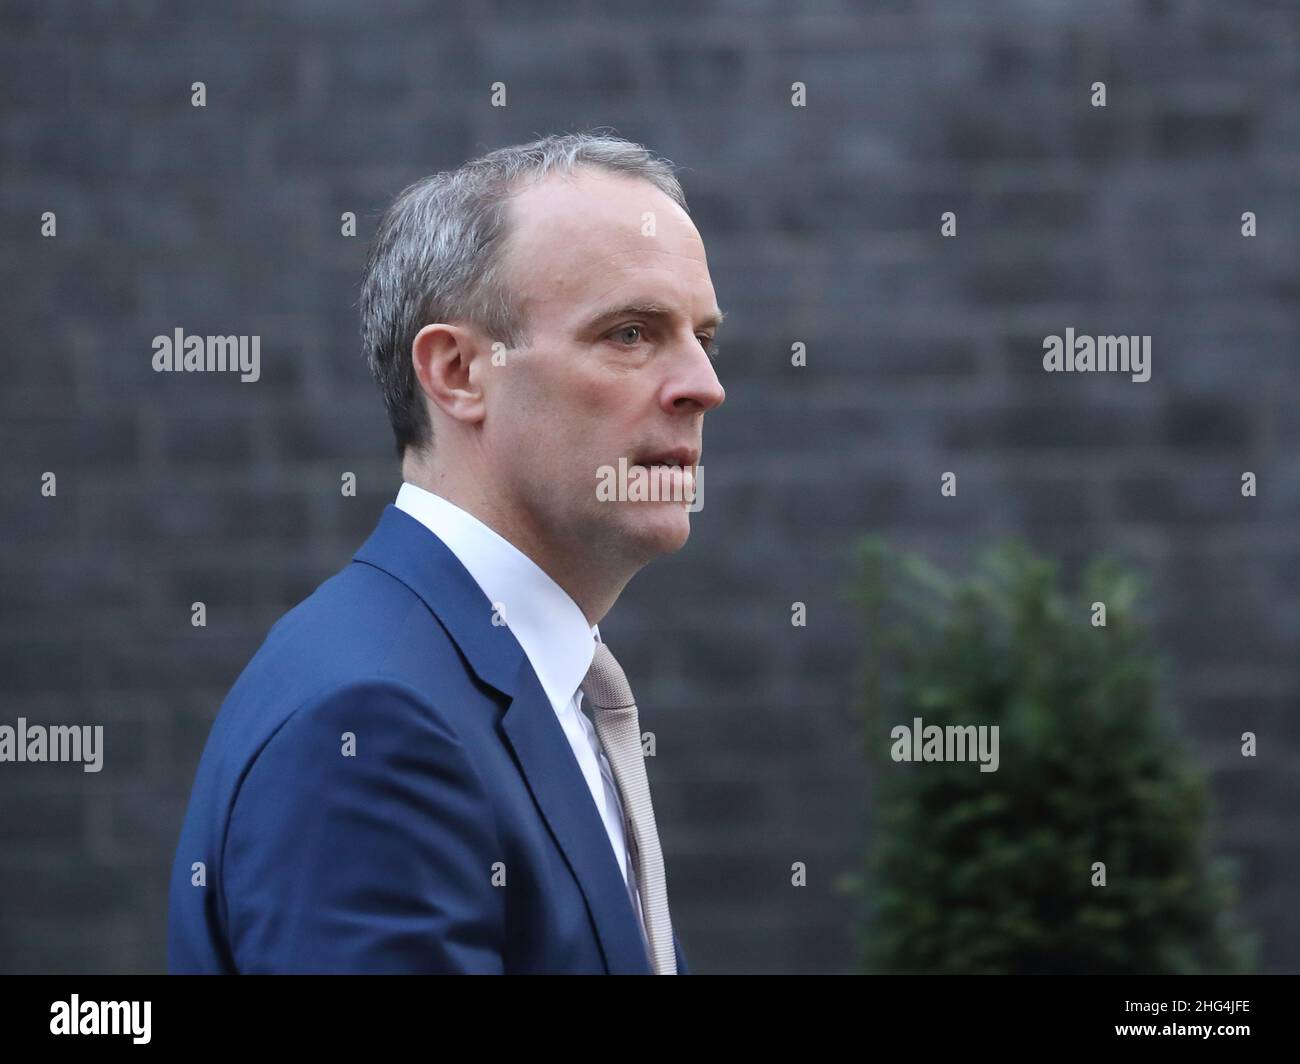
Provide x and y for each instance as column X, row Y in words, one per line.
column 821, row 225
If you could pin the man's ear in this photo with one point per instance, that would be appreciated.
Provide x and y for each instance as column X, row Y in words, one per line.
column 444, row 359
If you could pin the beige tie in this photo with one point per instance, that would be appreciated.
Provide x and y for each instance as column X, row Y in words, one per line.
column 607, row 689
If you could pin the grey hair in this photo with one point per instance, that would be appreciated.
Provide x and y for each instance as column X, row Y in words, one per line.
column 438, row 256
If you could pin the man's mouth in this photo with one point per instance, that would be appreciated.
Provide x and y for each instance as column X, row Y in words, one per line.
column 671, row 473
column 676, row 458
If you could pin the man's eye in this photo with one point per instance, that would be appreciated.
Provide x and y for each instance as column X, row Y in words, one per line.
column 628, row 329
column 710, row 348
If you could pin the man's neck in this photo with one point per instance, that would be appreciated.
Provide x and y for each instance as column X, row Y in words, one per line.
column 571, row 567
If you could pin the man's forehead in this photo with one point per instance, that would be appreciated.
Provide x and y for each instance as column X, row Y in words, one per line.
column 581, row 239
column 575, row 213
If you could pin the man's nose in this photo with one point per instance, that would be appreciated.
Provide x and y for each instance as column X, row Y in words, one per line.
column 697, row 384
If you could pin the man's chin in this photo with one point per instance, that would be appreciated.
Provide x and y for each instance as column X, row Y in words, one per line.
column 660, row 527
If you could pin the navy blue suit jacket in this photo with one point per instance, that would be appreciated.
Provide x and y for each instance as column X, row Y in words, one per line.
column 458, row 836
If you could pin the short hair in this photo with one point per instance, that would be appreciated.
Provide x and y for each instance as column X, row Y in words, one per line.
column 439, row 255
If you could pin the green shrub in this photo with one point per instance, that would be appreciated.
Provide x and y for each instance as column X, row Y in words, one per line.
column 992, row 872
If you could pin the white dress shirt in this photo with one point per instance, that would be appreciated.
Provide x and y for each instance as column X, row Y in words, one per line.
column 554, row 635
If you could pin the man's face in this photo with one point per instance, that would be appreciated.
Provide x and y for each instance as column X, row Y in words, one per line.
column 599, row 383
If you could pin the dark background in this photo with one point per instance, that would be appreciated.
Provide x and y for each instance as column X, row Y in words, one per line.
column 821, row 225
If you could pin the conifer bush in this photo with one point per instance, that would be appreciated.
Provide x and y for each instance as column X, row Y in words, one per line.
column 997, row 872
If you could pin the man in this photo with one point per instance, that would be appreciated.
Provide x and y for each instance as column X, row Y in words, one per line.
column 404, row 778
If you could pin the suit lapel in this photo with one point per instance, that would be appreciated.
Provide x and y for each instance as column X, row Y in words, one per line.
column 561, row 793
column 404, row 548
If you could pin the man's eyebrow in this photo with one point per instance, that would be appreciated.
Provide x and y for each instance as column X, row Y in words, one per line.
column 649, row 309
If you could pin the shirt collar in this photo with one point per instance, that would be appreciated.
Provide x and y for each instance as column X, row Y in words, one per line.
column 549, row 625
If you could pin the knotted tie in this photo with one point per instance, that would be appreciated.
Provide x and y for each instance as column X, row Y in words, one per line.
column 615, row 716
